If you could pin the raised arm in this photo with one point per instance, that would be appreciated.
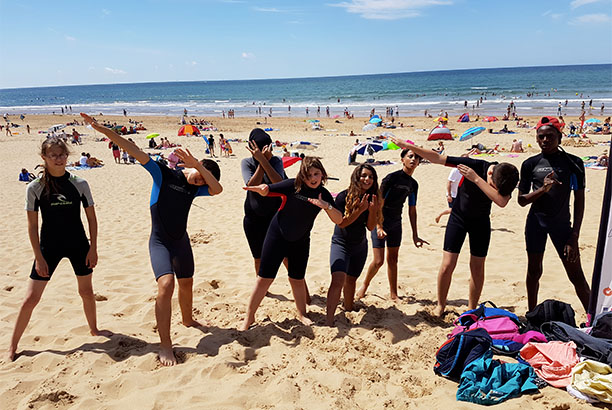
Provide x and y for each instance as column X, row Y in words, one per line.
column 347, row 220
column 484, row 186
column 214, row 187
column 123, row 143
column 264, row 167
column 431, row 156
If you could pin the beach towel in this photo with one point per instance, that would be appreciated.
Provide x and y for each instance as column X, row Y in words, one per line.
column 487, row 381
column 594, row 379
column 552, row 361
column 80, row 167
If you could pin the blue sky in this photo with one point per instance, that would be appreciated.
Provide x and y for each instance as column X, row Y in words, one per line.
column 89, row 42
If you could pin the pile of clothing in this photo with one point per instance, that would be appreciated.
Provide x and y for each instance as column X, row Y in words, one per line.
column 548, row 350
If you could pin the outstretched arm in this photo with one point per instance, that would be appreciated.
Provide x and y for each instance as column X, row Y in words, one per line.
column 484, row 186
column 431, row 156
column 123, row 143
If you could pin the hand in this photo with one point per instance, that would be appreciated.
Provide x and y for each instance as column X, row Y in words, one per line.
column 373, row 205
column 267, row 152
column 262, row 189
column 255, row 152
column 400, row 143
column 187, row 158
column 468, row 172
column 41, row 267
column 380, row 234
column 92, row 258
column 571, row 252
column 90, row 121
column 449, row 198
column 364, row 204
column 319, row 202
column 418, row 242
column 550, row 181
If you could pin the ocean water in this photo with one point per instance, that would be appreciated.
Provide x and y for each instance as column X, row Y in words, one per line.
column 534, row 90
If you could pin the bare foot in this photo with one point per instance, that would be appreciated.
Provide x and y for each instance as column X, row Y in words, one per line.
column 360, row 293
column 246, row 324
column 103, row 332
column 192, row 323
column 305, row 320
column 394, row 297
column 166, row 356
column 438, row 311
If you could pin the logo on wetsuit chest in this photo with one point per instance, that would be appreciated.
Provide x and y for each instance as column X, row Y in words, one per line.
column 301, row 197
column 61, row 200
column 179, row 189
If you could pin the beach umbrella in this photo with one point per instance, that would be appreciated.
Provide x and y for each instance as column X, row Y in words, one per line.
column 369, row 127
column 188, row 130
column 490, row 119
column 152, row 135
column 303, row 145
column 390, row 145
column 375, row 120
column 288, row 161
column 56, row 127
column 440, row 133
column 369, row 147
column 592, row 121
column 440, row 119
column 471, row 132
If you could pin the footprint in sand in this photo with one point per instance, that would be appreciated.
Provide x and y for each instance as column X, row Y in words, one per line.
column 202, row 237
column 100, row 298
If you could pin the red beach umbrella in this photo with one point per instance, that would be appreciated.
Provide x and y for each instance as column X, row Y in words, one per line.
column 188, row 130
column 490, row 119
column 440, row 133
column 288, row 161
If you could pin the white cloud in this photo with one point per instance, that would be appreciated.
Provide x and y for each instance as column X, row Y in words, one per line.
column 247, row 56
column 579, row 3
column 388, row 9
column 269, row 10
column 592, row 19
column 114, row 70
column 69, row 38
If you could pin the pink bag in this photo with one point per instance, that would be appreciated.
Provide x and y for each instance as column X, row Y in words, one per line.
column 499, row 327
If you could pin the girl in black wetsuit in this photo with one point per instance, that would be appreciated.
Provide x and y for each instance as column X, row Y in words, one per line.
column 289, row 232
column 349, row 246
column 59, row 195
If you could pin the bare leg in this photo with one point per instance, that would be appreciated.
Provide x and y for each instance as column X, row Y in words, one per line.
column 33, row 294
column 532, row 282
column 576, row 276
column 89, row 304
column 185, row 298
column 350, row 283
column 392, row 258
column 163, row 315
column 257, row 262
column 445, row 275
column 477, row 270
column 377, row 262
column 333, row 296
column 445, row 212
column 261, row 287
column 299, row 294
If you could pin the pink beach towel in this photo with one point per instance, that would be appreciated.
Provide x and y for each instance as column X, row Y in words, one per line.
column 552, row 361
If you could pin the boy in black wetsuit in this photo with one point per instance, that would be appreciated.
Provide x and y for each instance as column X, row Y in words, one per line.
column 483, row 183
column 553, row 175
column 169, row 247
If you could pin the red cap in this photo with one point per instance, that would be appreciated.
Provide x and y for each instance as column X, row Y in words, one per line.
column 551, row 121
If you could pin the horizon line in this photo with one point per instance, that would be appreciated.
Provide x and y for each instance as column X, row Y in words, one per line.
column 306, row 77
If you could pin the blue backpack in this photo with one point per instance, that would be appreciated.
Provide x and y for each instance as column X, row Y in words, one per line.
column 459, row 351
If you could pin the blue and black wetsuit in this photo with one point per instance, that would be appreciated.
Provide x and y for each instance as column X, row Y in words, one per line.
column 395, row 189
column 471, row 211
column 349, row 246
column 171, row 199
column 259, row 210
column 550, row 213
column 62, row 234
column 289, row 232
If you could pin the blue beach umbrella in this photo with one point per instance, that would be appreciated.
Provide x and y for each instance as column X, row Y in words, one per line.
column 375, row 120
column 369, row 147
column 592, row 121
column 471, row 132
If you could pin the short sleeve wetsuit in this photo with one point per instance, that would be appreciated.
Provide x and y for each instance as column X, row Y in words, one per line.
column 289, row 231
column 471, row 211
column 395, row 189
column 62, row 233
column 349, row 246
column 171, row 199
column 550, row 213
column 259, row 210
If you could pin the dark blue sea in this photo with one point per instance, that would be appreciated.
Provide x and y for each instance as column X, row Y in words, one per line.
column 534, row 90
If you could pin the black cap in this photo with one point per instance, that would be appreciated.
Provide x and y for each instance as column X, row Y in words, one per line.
column 260, row 137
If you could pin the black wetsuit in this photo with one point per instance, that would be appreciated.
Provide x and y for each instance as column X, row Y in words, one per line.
column 259, row 210
column 471, row 211
column 171, row 199
column 289, row 232
column 62, row 233
column 550, row 213
column 349, row 246
column 395, row 188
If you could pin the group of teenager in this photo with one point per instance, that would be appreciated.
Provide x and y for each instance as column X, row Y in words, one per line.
column 279, row 214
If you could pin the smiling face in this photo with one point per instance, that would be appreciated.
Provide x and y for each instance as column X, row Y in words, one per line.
column 314, row 176
column 548, row 139
column 366, row 179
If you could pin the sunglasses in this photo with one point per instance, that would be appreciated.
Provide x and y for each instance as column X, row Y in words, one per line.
column 54, row 157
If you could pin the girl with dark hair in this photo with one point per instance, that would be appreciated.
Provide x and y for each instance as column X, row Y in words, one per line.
column 58, row 195
column 288, row 235
column 349, row 246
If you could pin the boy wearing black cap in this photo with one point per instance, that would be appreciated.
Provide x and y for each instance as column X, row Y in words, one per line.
column 553, row 175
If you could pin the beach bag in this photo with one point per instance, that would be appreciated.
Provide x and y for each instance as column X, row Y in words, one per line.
column 498, row 327
column 550, row 311
column 471, row 316
column 459, row 351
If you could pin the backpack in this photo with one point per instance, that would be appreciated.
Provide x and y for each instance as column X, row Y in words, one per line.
column 459, row 351
column 471, row 316
column 550, row 311
column 498, row 327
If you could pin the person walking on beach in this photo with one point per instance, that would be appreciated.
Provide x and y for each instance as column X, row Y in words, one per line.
column 359, row 205
column 452, row 185
column 211, row 145
column 169, row 247
column 288, row 235
column 58, row 196
column 547, row 180
column 483, row 183
column 395, row 189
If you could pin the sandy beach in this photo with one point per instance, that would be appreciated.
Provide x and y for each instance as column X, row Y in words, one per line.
column 379, row 356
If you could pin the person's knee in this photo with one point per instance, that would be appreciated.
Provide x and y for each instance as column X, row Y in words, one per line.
column 392, row 258
column 337, row 279
column 378, row 262
column 86, row 292
column 165, row 287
